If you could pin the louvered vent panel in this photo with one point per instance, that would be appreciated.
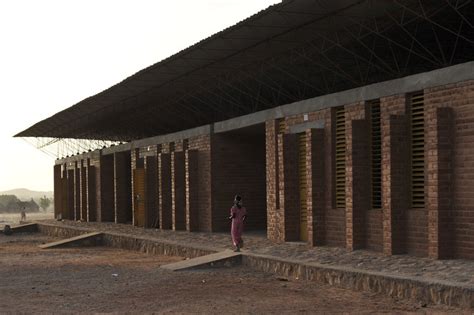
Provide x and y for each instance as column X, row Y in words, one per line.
column 417, row 119
column 340, row 158
column 376, row 155
column 281, row 126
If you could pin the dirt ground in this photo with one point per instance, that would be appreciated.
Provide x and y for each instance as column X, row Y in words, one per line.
column 105, row 280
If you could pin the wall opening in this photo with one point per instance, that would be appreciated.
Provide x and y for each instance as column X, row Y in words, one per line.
column 239, row 167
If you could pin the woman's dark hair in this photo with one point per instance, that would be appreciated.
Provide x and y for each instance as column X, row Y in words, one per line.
column 237, row 200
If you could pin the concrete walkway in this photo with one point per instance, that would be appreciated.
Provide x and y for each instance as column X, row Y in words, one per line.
column 439, row 281
column 456, row 270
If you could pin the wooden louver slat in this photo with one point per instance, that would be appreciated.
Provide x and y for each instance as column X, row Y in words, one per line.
column 376, row 155
column 417, row 121
column 340, row 158
column 281, row 126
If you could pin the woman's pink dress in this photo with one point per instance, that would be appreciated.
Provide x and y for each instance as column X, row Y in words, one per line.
column 237, row 223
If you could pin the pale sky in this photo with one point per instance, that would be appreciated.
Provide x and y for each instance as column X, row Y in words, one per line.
column 55, row 53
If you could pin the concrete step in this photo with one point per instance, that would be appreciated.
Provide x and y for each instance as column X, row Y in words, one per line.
column 89, row 239
column 220, row 258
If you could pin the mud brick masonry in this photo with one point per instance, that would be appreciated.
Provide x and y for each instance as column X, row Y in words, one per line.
column 384, row 163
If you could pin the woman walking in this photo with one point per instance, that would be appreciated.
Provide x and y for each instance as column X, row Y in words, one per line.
column 238, row 213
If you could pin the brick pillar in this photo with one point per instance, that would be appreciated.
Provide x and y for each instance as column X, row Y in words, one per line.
column 439, row 194
column 165, row 204
column 64, row 192
column 57, row 191
column 315, row 179
column 395, row 183
column 178, row 190
column 151, row 207
column 357, row 183
column 273, row 215
column 77, row 190
column 122, row 187
column 69, row 215
column 192, row 196
column 107, row 188
column 289, row 188
column 91, row 176
column 136, row 162
column 83, row 191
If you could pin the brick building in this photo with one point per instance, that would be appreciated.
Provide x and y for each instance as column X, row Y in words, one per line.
column 341, row 123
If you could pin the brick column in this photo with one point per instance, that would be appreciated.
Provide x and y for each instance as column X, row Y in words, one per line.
column 83, row 185
column 315, row 181
column 136, row 162
column 91, row 192
column 165, row 211
column 439, row 194
column 273, row 217
column 122, row 187
column 178, row 190
column 57, row 191
column 395, row 182
column 77, row 190
column 192, row 196
column 69, row 215
column 151, row 208
column 64, row 192
column 357, row 183
column 289, row 188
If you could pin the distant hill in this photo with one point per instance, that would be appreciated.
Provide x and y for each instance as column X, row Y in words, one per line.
column 26, row 194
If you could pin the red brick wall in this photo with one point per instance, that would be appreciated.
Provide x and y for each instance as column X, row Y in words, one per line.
column 395, row 172
column 94, row 190
column 203, row 146
column 335, row 218
column 459, row 140
column 289, row 186
column 192, row 188
column 357, row 175
column 274, row 226
column 178, row 190
column 238, row 167
column 165, row 201
column 315, row 181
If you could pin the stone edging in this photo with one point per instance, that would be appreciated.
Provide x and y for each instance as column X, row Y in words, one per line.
column 431, row 292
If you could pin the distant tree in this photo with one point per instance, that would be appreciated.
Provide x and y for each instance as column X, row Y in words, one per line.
column 9, row 203
column 45, row 202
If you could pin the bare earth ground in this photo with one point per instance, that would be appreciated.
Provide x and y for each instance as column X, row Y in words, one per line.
column 105, row 280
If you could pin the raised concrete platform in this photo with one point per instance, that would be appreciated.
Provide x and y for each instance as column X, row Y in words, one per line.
column 89, row 239
column 226, row 257
column 24, row 228
column 425, row 290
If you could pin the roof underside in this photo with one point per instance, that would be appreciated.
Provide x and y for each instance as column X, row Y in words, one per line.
column 291, row 51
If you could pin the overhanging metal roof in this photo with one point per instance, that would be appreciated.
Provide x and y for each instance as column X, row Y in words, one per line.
column 291, row 51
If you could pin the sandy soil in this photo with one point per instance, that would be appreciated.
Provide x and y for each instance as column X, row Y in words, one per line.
column 104, row 280
column 14, row 218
